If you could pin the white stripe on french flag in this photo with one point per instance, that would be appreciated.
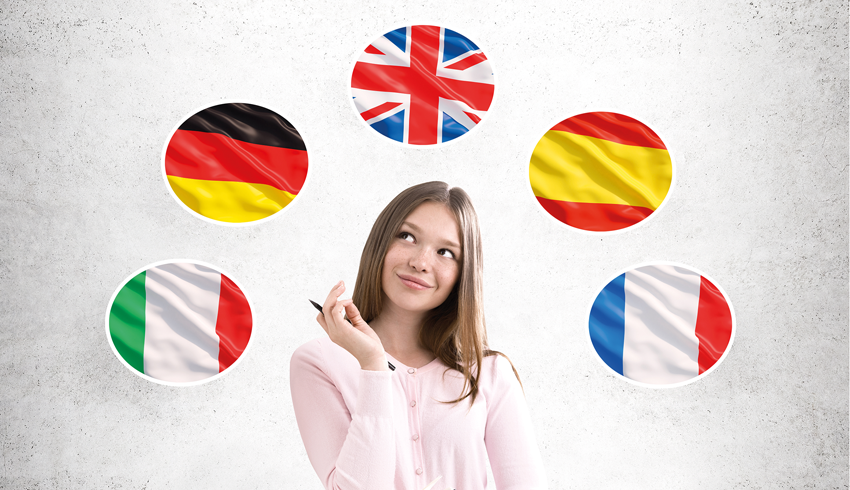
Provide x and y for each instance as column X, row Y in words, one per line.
column 660, row 324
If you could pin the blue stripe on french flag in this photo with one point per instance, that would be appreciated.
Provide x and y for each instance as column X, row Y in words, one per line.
column 660, row 324
column 607, row 323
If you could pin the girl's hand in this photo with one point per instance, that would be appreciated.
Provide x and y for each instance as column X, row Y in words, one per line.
column 356, row 337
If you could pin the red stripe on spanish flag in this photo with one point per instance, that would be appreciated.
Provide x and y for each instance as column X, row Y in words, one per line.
column 612, row 127
column 600, row 171
column 594, row 216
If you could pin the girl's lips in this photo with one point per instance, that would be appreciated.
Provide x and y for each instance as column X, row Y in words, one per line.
column 413, row 282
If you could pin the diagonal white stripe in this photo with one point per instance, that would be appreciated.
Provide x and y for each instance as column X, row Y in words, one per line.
column 456, row 109
column 180, row 314
column 392, row 55
column 480, row 73
column 660, row 346
column 365, row 100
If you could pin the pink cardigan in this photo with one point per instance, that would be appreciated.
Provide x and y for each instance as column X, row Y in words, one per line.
column 370, row 430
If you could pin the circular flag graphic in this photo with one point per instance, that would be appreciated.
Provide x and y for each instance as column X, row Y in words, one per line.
column 600, row 171
column 236, row 163
column 661, row 325
column 422, row 85
column 179, row 322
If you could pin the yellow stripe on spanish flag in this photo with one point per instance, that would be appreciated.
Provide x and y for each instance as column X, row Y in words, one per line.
column 583, row 169
column 233, row 202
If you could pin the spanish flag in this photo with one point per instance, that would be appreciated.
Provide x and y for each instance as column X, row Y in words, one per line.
column 236, row 163
column 600, row 171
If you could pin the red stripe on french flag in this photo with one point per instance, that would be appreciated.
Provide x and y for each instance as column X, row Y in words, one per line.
column 714, row 325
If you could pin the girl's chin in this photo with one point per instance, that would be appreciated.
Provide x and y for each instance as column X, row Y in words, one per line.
column 413, row 305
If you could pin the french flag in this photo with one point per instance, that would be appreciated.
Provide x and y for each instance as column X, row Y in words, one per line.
column 660, row 324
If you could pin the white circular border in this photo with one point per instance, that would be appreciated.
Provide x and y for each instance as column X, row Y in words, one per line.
column 611, row 232
column 174, row 383
column 225, row 223
column 649, row 385
column 408, row 145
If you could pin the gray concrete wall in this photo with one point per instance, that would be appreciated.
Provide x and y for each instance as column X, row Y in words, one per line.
column 750, row 97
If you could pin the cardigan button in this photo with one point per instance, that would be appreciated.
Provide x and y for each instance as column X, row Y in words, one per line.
column 411, row 370
column 413, row 403
column 418, row 471
column 415, row 437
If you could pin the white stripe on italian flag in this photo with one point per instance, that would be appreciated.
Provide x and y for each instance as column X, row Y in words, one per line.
column 180, row 322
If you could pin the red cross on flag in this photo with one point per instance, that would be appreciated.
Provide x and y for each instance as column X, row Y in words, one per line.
column 422, row 85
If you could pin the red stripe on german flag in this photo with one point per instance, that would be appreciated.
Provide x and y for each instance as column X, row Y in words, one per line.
column 213, row 156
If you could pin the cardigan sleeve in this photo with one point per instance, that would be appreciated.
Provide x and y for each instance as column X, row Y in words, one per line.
column 509, row 433
column 348, row 451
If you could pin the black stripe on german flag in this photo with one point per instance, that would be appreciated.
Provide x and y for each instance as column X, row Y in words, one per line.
column 247, row 122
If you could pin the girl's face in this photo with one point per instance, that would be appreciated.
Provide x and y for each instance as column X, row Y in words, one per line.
column 423, row 260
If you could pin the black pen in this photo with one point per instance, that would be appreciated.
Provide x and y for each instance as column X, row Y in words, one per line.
column 319, row 307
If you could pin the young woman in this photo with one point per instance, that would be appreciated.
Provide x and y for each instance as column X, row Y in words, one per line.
column 450, row 402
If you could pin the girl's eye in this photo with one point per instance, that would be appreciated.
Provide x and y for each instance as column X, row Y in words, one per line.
column 446, row 253
column 406, row 236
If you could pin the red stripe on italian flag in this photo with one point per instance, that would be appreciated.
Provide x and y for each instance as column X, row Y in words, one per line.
column 180, row 322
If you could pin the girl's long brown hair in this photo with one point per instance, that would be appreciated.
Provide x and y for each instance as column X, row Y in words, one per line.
column 455, row 331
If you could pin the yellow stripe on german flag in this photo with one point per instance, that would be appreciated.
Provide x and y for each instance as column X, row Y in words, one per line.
column 600, row 171
column 231, row 202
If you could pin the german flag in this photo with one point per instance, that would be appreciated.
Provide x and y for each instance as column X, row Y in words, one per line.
column 236, row 163
column 600, row 171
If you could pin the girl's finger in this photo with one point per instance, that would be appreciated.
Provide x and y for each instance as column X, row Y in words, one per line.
column 321, row 319
column 353, row 313
column 331, row 300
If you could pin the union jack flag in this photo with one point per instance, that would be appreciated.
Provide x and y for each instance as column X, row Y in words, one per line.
column 422, row 85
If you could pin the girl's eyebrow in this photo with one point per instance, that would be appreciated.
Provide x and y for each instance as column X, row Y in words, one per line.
column 408, row 223
column 418, row 230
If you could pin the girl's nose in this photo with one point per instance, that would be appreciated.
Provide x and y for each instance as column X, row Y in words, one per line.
column 419, row 260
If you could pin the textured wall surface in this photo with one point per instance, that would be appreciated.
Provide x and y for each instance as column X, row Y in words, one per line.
column 751, row 98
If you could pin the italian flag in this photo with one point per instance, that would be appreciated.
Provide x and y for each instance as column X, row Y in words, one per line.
column 180, row 322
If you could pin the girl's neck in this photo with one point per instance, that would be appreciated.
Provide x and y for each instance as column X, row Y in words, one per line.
column 399, row 333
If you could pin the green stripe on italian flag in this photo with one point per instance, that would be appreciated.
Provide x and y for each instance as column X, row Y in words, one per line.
column 180, row 322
